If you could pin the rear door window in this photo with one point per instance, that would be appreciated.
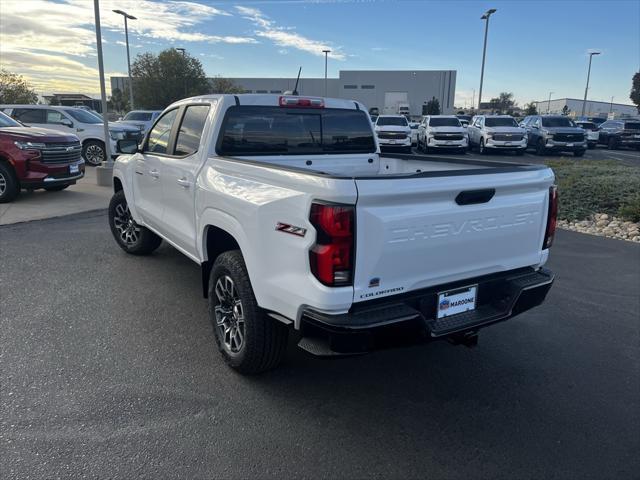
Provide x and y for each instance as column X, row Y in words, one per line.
column 191, row 128
column 29, row 115
column 54, row 117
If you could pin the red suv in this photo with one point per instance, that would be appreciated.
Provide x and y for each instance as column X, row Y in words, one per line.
column 36, row 158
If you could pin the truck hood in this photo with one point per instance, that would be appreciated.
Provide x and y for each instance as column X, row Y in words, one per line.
column 448, row 129
column 393, row 128
column 37, row 134
column 122, row 127
column 132, row 123
column 516, row 130
column 564, row 129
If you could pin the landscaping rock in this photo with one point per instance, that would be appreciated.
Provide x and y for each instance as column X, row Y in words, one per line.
column 605, row 225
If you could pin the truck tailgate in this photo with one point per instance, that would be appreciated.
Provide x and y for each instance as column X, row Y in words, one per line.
column 412, row 233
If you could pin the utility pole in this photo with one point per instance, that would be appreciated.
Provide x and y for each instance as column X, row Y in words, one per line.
column 180, row 49
column 485, row 17
column 611, row 105
column 103, row 172
column 549, row 103
column 326, row 55
column 584, row 102
column 126, row 36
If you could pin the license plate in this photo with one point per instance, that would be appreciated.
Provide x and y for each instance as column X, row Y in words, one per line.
column 569, row 144
column 449, row 143
column 74, row 168
column 457, row 301
column 392, row 142
column 508, row 143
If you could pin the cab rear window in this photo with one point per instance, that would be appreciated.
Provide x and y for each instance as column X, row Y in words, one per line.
column 263, row 130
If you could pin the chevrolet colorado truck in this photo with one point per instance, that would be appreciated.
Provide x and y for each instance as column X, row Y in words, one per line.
column 298, row 223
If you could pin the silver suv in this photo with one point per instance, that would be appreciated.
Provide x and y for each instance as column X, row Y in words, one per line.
column 496, row 132
column 554, row 133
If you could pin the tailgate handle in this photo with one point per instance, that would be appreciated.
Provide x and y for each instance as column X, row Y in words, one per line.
column 472, row 197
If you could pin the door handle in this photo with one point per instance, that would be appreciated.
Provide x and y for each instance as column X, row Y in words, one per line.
column 183, row 182
column 154, row 173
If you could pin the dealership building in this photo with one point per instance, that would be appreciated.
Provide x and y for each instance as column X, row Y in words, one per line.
column 592, row 108
column 384, row 89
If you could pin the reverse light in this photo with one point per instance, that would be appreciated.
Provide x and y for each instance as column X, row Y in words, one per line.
column 301, row 102
column 331, row 257
column 552, row 217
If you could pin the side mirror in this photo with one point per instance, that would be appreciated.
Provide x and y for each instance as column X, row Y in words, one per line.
column 128, row 146
column 66, row 122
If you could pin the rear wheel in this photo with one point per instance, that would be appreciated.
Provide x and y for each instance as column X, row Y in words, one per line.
column 57, row 188
column 249, row 340
column 9, row 186
column 93, row 152
column 131, row 237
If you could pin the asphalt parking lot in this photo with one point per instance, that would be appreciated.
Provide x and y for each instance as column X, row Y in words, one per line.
column 108, row 370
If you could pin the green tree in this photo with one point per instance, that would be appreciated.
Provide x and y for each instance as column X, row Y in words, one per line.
column 432, row 107
column 530, row 109
column 15, row 89
column 171, row 75
column 503, row 102
column 635, row 90
column 224, row 85
column 119, row 101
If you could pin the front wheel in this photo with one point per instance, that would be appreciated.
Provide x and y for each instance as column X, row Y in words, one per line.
column 131, row 237
column 481, row 149
column 540, row 149
column 249, row 340
column 9, row 185
column 612, row 145
column 578, row 153
column 93, row 152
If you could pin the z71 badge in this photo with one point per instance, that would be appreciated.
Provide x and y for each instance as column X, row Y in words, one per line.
column 292, row 229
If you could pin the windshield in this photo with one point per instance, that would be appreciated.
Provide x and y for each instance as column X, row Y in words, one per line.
column 138, row 116
column 393, row 121
column 444, row 122
column 6, row 121
column 632, row 126
column 500, row 122
column 83, row 116
column 557, row 122
column 259, row 130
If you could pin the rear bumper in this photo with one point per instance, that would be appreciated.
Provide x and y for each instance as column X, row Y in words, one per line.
column 411, row 318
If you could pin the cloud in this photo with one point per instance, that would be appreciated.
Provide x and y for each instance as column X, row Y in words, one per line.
column 284, row 37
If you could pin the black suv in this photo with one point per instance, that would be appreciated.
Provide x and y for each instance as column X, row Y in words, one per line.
column 554, row 133
column 620, row 133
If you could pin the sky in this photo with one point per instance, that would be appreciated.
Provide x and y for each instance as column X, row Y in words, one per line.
column 534, row 47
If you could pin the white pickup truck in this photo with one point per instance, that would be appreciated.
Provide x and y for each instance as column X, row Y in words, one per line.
column 299, row 223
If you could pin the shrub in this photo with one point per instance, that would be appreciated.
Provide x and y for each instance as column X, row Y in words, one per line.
column 587, row 187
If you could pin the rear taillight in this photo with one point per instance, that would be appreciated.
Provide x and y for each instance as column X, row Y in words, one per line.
column 552, row 217
column 331, row 257
column 301, row 102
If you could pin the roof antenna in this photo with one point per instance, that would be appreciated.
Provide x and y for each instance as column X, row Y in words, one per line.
column 295, row 89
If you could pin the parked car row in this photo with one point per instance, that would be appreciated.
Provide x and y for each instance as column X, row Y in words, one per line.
column 84, row 124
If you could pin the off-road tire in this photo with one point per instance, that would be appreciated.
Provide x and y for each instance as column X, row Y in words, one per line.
column 265, row 339
column 146, row 242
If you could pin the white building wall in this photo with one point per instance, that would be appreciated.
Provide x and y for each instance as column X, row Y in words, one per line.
column 592, row 108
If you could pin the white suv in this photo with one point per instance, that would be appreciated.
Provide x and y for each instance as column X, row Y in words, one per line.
column 497, row 132
column 442, row 132
column 88, row 126
column 393, row 132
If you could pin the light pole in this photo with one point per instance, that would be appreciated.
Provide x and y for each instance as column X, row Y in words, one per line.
column 126, row 37
column 181, row 49
column 584, row 102
column 326, row 55
column 104, row 171
column 549, row 102
column 611, row 105
column 485, row 17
